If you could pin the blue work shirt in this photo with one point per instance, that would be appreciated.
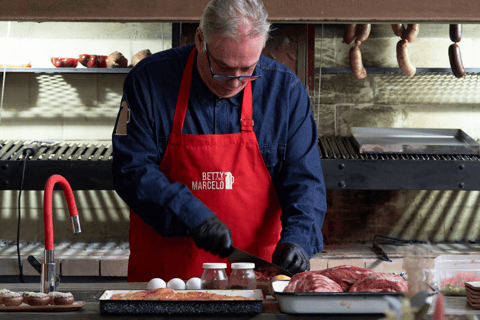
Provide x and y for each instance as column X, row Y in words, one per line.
column 283, row 123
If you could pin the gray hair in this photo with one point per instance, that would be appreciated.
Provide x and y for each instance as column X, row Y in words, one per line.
column 224, row 17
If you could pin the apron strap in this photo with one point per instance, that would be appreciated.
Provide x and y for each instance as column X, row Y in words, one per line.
column 183, row 94
column 246, row 121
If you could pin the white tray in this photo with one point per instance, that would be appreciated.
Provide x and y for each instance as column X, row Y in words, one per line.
column 331, row 302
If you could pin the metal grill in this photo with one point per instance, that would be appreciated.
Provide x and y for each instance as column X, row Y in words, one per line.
column 336, row 147
column 85, row 166
column 13, row 150
column 88, row 167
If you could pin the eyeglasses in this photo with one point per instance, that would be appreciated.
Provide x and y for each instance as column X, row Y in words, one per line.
column 223, row 77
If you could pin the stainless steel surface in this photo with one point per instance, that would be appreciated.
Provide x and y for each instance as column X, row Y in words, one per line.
column 239, row 255
column 76, row 224
column 48, row 277
column 414, row 141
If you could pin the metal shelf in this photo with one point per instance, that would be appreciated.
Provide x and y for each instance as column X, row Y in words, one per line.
column 68, row 70
column 430, row 71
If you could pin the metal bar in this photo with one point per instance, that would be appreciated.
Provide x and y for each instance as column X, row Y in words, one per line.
column 341, row 147
column 350, row 148
column 79, row 152
column 5, row 148
column 59, row 152
column 326, row 148
column 69, row 152
column 13, row 149
column 50, row 152
column 98, row 153
column 108, row 153
column 333, row 147
column 40, row 152
column 86, row 155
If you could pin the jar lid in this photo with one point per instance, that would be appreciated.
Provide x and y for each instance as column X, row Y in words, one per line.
column 211, row 265
column 243, row 265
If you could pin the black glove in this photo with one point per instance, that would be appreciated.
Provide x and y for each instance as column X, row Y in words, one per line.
column 291, row 257
column 214, row 236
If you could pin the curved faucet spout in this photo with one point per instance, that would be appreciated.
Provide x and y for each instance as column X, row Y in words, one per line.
column 47, row 208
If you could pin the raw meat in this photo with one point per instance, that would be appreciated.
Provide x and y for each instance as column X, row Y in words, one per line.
column 346, row 275
column 312, row 281
column 380, row 282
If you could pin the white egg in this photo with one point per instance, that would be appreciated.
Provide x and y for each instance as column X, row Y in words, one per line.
column 176, row 283
column 156, row 283
column 194, row 283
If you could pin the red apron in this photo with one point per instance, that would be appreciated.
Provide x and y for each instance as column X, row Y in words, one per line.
column 228, row 174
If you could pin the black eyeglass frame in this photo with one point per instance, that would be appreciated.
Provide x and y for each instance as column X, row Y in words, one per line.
column 224, row 77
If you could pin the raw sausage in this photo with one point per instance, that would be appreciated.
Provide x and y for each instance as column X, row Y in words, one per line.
column 356, row 63
column 402, row 58
column 456, row 60
column 411, row 32
column 456, row 32
column 349, row 34
column 398, row 29
column 362, row 32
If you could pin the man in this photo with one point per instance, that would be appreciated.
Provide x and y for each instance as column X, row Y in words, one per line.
column 214, row 146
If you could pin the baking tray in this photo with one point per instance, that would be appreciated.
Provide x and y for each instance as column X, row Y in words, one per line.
column 332, row 302
column 414, row 141
column 108, row 306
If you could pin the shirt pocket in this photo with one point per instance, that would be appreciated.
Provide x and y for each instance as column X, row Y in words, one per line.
column 272, row 155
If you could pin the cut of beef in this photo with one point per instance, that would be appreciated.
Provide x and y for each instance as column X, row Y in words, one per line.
column 380, row 282
column 312, row 281
column 346, row 275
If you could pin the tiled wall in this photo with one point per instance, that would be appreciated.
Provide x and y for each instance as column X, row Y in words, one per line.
column 83, row 107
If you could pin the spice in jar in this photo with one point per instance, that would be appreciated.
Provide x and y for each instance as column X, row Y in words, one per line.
column 242, row 276
column 214, row 276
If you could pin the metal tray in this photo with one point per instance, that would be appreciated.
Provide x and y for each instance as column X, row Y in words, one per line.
column 414, row 141
column 331, row 302
column 108, row 306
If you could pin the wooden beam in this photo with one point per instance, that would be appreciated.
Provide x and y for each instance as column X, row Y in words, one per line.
column 280, row 11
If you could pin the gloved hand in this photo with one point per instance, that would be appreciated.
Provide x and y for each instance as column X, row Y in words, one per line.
column 291, row 257
column 213, row 235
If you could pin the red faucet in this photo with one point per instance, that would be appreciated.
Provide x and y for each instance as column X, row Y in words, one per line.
column 48, row 274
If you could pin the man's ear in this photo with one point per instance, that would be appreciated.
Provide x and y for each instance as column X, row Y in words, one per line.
column 199, row 39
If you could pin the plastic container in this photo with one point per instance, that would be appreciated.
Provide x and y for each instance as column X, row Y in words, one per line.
column 452, row 271
column 214, row 276
column 242, row 276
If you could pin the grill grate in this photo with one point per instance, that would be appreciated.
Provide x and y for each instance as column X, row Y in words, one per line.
column 13, row 150
column 330, row 147
column 335, row 147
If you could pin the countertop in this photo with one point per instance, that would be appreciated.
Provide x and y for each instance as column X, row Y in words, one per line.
column 455, row 307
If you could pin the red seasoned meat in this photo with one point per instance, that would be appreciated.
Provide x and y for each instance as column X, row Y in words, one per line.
column 380, row 282
column 346, row 275
column 312, row 281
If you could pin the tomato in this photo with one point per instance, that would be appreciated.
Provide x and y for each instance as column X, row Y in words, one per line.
column 93, row 61
column 83, row 59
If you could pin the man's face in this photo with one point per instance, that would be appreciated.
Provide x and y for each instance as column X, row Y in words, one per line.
column 233, row 57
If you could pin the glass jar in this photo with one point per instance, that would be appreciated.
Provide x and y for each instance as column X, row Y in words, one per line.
column 242, row 276
column 214, row 276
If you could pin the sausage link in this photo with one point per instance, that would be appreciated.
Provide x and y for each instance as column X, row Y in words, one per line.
column 356, row 63
column 456, row 32
column 456, row 60
column 362, row 32
column 398, row 29
column 349, row 34
column 411, row 32
column 402, row 57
